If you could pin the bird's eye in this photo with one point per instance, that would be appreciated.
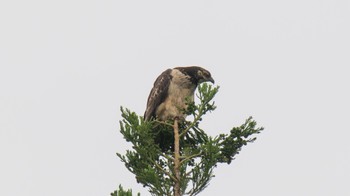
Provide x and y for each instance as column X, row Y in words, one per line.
column 200, row 73
column 206, row 74
column 203, row 73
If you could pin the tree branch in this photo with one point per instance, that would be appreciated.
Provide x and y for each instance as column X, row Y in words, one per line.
column 163, row 123
column 177, row 162
column 164, row 171
column 190, row 157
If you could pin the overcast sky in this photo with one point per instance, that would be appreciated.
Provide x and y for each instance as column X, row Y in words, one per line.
column 67, row 66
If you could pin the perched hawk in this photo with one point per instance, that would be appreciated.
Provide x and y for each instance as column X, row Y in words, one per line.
column 170, row 90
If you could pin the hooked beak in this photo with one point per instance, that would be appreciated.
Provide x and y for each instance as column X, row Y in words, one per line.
column 211, row 80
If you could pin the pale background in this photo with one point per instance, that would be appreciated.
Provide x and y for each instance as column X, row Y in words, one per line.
column 67, row 66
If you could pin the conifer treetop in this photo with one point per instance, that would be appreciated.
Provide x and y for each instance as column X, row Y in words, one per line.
column 153, row 164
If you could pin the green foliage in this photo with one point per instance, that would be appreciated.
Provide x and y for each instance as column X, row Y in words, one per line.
column 152, row 156
column 122, row 192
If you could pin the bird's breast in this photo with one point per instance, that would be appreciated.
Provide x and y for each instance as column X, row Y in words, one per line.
column 175, row 102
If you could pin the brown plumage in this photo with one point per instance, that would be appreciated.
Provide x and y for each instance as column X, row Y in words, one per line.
column 168, row 96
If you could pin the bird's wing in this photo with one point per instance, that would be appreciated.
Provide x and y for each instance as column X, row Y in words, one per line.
column 158, row 94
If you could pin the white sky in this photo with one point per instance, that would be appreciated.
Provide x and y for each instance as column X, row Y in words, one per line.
column 67, row 66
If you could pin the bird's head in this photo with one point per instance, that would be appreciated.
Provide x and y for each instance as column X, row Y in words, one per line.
column 196, row 74
column 204, row 75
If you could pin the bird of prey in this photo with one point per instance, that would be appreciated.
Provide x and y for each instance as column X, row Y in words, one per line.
column 167, row 98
